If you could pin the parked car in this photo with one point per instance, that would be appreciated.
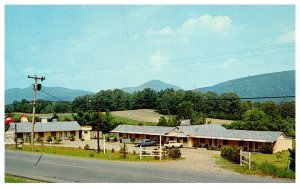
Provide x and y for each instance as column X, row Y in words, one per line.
column 145, row 142
column 172, row 144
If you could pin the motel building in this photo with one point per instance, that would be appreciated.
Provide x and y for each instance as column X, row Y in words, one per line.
column 207, row 135
column 51, row 127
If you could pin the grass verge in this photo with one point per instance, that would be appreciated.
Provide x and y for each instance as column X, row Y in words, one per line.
column 16, row 179
column 92, row 154
column 274, row 165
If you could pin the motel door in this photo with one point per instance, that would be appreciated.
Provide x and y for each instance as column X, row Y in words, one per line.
column 60, row 135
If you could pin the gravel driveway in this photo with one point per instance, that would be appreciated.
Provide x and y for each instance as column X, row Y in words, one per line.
column 194, row 159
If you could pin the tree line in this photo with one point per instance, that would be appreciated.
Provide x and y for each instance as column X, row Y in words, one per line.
column 194, row 105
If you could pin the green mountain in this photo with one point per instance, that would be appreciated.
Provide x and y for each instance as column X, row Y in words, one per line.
column 271, row 84
column 58, row 92
column 156, row 85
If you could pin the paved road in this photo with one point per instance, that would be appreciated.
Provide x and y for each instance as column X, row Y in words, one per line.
column 54, row 168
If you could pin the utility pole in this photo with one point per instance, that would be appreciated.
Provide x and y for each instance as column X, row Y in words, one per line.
column 98, row 122
column 34, row 105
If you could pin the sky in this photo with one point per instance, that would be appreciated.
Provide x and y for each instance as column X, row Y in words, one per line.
column 96, row 47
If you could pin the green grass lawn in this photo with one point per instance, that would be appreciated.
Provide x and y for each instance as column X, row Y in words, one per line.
column 16, row 179
column 262, row 164
column 76, row 152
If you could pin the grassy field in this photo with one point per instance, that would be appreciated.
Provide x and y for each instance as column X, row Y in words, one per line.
column 129, row 117
column 77, row 152
column 262, row 164
column 16, row 179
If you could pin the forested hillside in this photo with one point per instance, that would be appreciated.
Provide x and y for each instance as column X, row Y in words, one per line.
column 273, row 84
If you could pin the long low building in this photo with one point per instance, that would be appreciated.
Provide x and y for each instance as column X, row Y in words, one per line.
column 207, row 135
column 62, row 130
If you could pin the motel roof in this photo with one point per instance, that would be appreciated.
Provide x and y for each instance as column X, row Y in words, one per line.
column 212, row 131
column 25, row 127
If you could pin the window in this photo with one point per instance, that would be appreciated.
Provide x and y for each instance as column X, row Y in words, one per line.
column 85, row 132
column 225, row 142
column 184, row 139
column 210, row 142
column 66, row 135
column 53, row 134
column 73, row 133
column 120, row 135
column 171, row 138
column 147, row 136
column 202, row 140
column 41, row 134
column 137, row 136
column 240, row 143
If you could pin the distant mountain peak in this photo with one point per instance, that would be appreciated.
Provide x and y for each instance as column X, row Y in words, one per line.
column 154, row 84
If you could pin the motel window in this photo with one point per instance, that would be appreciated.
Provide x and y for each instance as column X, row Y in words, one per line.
column 184, row 139
column 240, row 143
column 41, row 134
column 120, row 135
column 171, row 138
column 85, row 132
column 202, row 140
column 137, row 136
column 72, row 133
column 210, row 142
column 66, row 135
column 147, row 136
column 53, row 134
column 225, row 142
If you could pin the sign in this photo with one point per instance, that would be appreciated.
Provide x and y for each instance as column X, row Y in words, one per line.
column 9, row 137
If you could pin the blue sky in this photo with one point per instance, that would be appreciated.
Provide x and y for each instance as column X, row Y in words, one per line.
column 106, row 47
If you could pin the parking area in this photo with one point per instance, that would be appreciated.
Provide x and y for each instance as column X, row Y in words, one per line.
column 194, row 159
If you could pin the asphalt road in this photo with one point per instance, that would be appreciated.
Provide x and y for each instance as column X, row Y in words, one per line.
column 62, row 169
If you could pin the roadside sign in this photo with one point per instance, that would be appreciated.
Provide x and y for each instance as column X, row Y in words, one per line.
column 9, row 137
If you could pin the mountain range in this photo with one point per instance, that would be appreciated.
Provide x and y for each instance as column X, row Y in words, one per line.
column 271, row 84
column 60, row 93
column 156, row 85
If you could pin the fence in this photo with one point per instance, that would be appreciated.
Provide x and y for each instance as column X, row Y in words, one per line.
column 245, row 157
column 154, row 152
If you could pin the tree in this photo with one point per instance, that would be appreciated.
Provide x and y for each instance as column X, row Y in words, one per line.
column 287, row 109
column 255, row 119
column 198, row 118
column 185, row 110
column 270, row 108
column 162, row 121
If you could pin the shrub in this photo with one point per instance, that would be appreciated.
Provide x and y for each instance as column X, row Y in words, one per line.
column 232, row 153
column 115, row 139
column 174, row 153
column 134, row 152
column 40, row 139
column 273, row 170
column 292, row 159
column 86, row 147
column 92, row 154
column 107, row 139
column 267, row 149
column 49, row 139
column 212, row 148
column 112, row 150
column 123, row 151
column 72, row 138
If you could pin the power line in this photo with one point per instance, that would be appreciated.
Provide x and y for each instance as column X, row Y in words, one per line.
column 54, row 96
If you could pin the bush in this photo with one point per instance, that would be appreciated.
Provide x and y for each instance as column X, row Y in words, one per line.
column 276, row 171
column 123, row 151
column 112, row 150
column 86, row 147
column 107, row 139
column 292, row 159
column 267, row 149
column 174, row 153
column 72, row 138
column 212, row 148
column 49, row 139
column 232, row 153
column 40, row 139
column 92, row 154
column 115, row 139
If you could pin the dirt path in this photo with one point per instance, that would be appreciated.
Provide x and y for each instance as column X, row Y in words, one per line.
column 146, row 115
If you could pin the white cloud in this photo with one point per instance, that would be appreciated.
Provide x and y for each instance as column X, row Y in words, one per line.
column 205, row 24
column 157, row 60
column 287, row 37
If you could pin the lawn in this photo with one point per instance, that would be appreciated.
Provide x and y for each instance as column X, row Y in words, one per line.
column 77, row 152
column 16, row 179
column 262, row 164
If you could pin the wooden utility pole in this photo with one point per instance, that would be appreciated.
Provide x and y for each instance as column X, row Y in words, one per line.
column 34, row 105
column 98, row 122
